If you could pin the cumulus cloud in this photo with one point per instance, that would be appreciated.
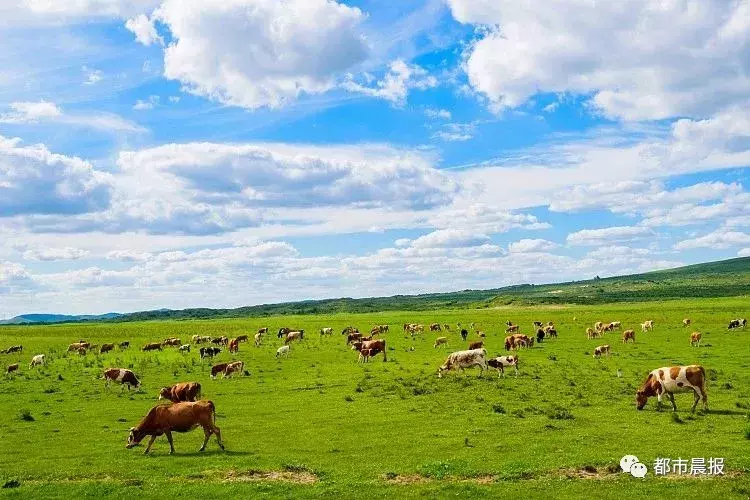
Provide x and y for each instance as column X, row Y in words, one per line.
column 60, row 184
column 128, row 255
column 144, row 30
column 608, row 235
column 260, row 53
column 395, row 85
column 484, row 218
column 443, row 238
column 30, row 112
column 532, row 245
column 745, row 252
column 637, row 59
column 51, row 254
column 720, row 238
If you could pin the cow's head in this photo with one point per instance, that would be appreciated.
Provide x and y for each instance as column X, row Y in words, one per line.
column 135, row 437
column 164, row 393
column 641, row 398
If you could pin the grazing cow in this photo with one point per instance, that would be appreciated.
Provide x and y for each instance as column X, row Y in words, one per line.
column 476, row 345
column 258, row 339
column 540, row 333
column 602, row 350
column 326, row 331
column 185, row 348
column 353, row 337
column 241, row 338
column 82, row 351
column 480, row 333
column 510, row 343
column 14, row 348
column 209, row 352
column 172, row 341
column 263, row 330
column 374, row 346
column 349, row 329
column 522, row 340
column 233, row 367
column 365, row 355
column 12, row 368
column 513, row 329
column 686, row 322
column 124, row 345
column 234, row 345
column 499, row 363
column 465, row 359
column 197, row 339
column 598, row 326
column 177, row 417
column 218, row 368
column 76, row 346
column 628, row 335
column 282, row 351
column 550, row 331
column 37, row 360
column 435, row 327
column 537, row 324
column 106, row 348
column 283, row 331
column 292, row 336
column 184, row 391
column 464, row 334
column 671, row 379
column 592, row 334
column 121, row 375
column 737, row 323
column 154, row 346
column 615, row 325
column 446, row 327
column 608, row 327
column 220, row 341
column 695, row 339
column 441, row 341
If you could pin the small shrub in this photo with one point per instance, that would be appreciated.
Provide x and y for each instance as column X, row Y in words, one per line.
column 677, row 419
column 498, row 408
column 747, row 432
column 390, row 475
column 26, row 416
column 348, row 398
column 518, row 413
column 728, row 385
column 296, row 468
column 13, row 483
column 560, row 413
column 60, row 377
column 742, row 405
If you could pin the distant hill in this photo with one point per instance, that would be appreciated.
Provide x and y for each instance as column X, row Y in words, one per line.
column 727, row 278
column 56, row 318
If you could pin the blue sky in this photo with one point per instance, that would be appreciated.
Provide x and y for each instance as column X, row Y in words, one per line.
column 157, row 153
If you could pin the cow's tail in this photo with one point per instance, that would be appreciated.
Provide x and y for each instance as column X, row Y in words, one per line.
column 213, row 410
column 385, row 352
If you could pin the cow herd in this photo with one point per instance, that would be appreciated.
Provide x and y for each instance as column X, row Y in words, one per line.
column 186, row 411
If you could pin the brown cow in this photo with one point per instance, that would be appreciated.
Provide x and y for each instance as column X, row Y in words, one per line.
column 476, row 345
column 121, row 375
column 234, row 345
column 106, row 348
column 172, row 341
column 628, row 335
column 263, row 330
column 435, row 327
column 12, row 368
column 695, row 339
column 153, row 346
column 292, row 336
column 353, row 337
column 177, row 417
column 184, row 391
column 670, row 379
column 374, row 346
column 441, row 341
column 602, row 350
column 227, row 368
column 241, row 338
column 218, row 368
column 76, row 346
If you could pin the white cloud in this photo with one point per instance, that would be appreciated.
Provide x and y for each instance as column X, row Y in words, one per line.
column 484, row 218
column 745, row 252
column 51, row 254
column 437, row 113
column 532, row 245
column 257, row 53
column 449, row 238
column 142, row 105
column 395, row 85
column 640, row 59
column 128, row 256
column 608, row 236
column 718, row 239
column 93, row 76
column 34, row 180
column 81, row 9
column 144, row 30
column 47, row 112
column 453, row 132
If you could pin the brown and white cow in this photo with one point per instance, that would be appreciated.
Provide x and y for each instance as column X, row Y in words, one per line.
column 292, row 336
column 12, row 368
column 227, row 369
column 695, row 339
column 686, row 322
column 153, row 346
column 602, row 350
column 465, row 359
column 441, row 341
column 172, row 341
column 373, row 346
column 76, row 346
column 106, row 348
column 499, row 363
column 592, row 334
column 183, row 391
column 121, row 375
column 598, row 326
column 628, row 335
column 670, row 379
column 647, row 325
column 615, row 325
column 37, row 360
column 476, row 345
column 435, row 327
column 513, row 329
column 326, row 331
column 177, row 417
column 258, row 339
column 263, row 330
column 353, row 337
column 234, row 345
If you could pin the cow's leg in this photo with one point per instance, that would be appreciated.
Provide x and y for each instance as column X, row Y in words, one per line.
column 150, row 443
column 171, row 445
column 658, row 401
column 206, row 435
column 671, row 400
column 217, row 431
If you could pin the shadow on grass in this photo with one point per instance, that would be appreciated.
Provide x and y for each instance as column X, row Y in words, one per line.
column 726, row 412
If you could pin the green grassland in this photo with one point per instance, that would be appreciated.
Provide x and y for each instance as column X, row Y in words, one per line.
column 318, row 424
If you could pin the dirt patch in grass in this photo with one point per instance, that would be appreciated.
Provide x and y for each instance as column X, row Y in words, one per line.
column 420, row 479
column 286, row 476
column 405, row 479
column 588, row 472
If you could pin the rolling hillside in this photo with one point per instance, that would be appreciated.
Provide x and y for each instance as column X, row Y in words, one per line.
column 728, row 278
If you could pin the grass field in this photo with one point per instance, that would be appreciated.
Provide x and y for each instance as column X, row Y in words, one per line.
column 319, row 424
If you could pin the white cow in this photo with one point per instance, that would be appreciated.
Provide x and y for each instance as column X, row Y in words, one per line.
column 282, row 351
column 670, row 379
column 465, row 359
column 499, row 363
column 37, row 360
